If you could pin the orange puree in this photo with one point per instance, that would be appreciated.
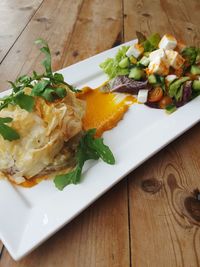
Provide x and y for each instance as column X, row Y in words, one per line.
column 104, row 110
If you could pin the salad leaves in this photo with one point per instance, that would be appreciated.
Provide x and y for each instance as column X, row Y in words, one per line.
column 89, row 148
column 111, row 65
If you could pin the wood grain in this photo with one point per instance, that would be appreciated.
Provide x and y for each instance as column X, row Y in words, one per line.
column 1, row 249
column 52, row 22
column 96, row 238
column 164, row 206
column 14, row 16
column 99, row 27
column 164, row 211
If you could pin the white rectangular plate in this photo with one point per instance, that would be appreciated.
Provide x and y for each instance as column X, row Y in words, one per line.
column 30, row 216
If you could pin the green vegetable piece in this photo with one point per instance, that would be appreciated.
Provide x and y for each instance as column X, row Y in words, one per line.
column 152, row 79
column 111, row 65
column 154, row 39
column 6, row 131
column 195, row 70
column 190, row 54
column 196, row 85
column 136, row 73
column 144, row 61
column 151, row 43
column 175, row 86
column 124, row 63
column 170, row 108
column 26, row 102
column 89, row 148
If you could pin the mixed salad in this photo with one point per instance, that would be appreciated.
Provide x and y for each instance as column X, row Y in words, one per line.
column 163, row 72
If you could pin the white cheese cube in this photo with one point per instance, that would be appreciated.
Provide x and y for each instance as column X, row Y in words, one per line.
column 142, row 96
column 135, row 50
column 174, row 59
column 168, row 42
column 159, row 53
column 158, row 66
column 170, row 78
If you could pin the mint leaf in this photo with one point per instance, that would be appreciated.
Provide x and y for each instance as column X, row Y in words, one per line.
column 89, row 148
column 7, row 132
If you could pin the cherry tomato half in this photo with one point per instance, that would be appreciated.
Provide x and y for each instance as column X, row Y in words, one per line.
column 155, row 94
column 165, row 101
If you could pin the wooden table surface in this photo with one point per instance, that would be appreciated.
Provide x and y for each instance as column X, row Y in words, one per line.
column 152, row 217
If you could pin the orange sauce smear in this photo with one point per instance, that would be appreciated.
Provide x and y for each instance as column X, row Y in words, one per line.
column 103, row 110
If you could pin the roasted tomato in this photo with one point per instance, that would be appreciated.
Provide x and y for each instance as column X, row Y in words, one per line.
column 155, row 94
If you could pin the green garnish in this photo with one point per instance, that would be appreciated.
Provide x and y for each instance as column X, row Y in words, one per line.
column 49, row 85
column 190, row 54
column 89, row 148
column 6, row 131
column 170, row 108
column 26, row 102
column 111, row 65
column 150, row 43
column 175, row 88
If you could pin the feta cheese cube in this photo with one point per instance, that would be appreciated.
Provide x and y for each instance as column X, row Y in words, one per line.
column 135, row 50
column 168, row 42
column 174, row 59
column 159, row 53
column 142, row 96
column 158, row 66
column 170, row 78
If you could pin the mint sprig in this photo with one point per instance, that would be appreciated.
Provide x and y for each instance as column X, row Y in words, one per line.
column 89, row 148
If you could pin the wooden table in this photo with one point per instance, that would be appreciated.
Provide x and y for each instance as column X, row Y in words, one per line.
column 152, row 217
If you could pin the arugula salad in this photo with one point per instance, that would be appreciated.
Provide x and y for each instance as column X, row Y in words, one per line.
column 163, row 72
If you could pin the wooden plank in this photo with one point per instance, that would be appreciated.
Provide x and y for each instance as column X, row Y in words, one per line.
column 1, row 248
column 164, row 211
column 98, row 28
column 98, row 237
column 14, row 16
column 52, row 22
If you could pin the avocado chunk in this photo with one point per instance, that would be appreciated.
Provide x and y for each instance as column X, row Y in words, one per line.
column 196, row 85
column 175, row 86
column 136, row 73
column 152, row 79
column 195, row 70
column 124, row 63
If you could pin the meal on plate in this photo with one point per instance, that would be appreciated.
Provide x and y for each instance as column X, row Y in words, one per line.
column 163, row 72
column 49, row 128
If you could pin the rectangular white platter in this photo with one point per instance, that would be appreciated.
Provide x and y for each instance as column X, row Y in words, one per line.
column 29, row 216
